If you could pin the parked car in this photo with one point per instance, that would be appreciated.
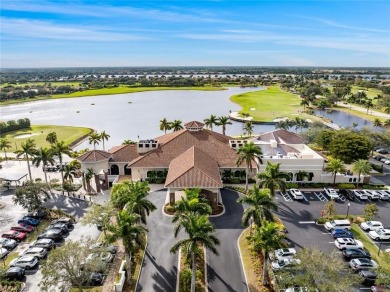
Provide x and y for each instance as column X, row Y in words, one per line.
column 296, row 194
column 7, row 243
column 3, row 252
column 383, row 151
column 380, row 234
column 16, row 235
column 384, row 195
column 14, row 274
column 362, row 264
column 368, row 277
column 359, row 194
column 337, row 224
column 29, row 221
column 371, row 225
column 281, row 264
column 44, row 242
column 23, row 228
column 343, row 243
column 60, row 226
column 348, row 194
column 54, row 234
column 379, row 157
column 372, row 195
column 342, row 233
column 108, row 248
column 67, row 221
column 332, row 194
column 38, row 252
column 26, row 262
column 354, row 253
column 285, row 253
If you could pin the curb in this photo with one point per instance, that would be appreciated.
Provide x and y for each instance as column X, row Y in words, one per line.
column 178, row 272
column 142, row 263
column 242, row 262
column 206, row 283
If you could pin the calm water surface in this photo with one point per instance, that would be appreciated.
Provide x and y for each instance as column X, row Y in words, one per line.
column 346, row 120
column 138, row 119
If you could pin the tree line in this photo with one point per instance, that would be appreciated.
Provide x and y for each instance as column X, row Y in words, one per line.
column 13, row 125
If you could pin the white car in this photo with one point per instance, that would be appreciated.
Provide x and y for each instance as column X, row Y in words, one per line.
column 380, row 234
column 285, row 253
column 372, row 195
column 280, row 264
column 384, row 195
column 297, row 195
column 362, row 264
column 3, row 253
column 343, row 243
column 38, row 252
column 26, row 262
column 359, row 194
column 371, row 225
column 332, row 194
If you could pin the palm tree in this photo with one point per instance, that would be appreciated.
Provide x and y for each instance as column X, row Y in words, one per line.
column 223, row 121
column 5, row 144
column 248, row 128
column 60, row 148
column 368, row 104
column 176, row 125
column 198, row 228
column 94, row 138
column 210, row 121
column 377, row 123
column 335, row 166
column 266, row 238
column 44, row 156
column 28, row 149
column 131, row 233
column 248, row 153
column 104, row 136
column 69, row 172
column 165, row 125
column 51, row 137
column 282, row 125
column 273, row 179
column 88, row 176
column 192, row 203
column 304, row 103
column 361, row 167
column 127, row 142
column 301, row 175
column 260, row 206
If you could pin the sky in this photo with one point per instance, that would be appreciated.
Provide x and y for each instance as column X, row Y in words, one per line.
column 93, row 33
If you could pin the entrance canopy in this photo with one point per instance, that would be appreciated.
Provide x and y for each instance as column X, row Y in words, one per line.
column 12, row 177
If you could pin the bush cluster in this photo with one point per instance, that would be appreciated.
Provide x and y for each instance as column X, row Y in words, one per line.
column 13, row 125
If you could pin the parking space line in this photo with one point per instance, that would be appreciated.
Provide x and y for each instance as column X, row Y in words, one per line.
column 321, row 197
column 286, row 197
column 304, row 197
column 307, row 222
column 342, row 198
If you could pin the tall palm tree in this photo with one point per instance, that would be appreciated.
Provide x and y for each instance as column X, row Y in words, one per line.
column 304, row 103
column 248, row 128
column 59, row 149
column 131, row 233
column 198, row 228
column 28, row 150
column 5, row 144
column 165, row 125
column 224, row 121
column 51, row 137
column 266, row 238
column 94, row 138
column 260, row 206
column 104, row 136
column 301, row 175
column 335, row 166
column 44, row 156
column 368, row 104
column 210, row 121
column 176, row 125
column 192, row 203
column 248, row 153
column 88, row 176
column 272, row 178
column 282, row 125
column 69, row 172
column 361, row 167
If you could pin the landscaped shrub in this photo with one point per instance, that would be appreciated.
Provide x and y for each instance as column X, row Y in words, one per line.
column 251, row 180
column 235, row 180
column 13, row 125
column 10, row 286
column 376, row 167
column 371, row 186
column 346, row 186
column 313, row 185
column 291, row 185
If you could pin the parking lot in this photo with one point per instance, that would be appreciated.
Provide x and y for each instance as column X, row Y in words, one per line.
column 299, row 218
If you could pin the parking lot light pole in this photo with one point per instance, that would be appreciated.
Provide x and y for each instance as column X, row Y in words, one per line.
column 349, row 205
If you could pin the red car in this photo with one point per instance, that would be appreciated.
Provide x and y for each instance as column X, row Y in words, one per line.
column 12, row 234
column 23, row 228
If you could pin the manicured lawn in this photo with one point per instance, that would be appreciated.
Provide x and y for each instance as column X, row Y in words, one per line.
column 39, row 229
column 53, row 84
column 269, row 104
column 371, row 92
column 39, row 134
column 9, row 258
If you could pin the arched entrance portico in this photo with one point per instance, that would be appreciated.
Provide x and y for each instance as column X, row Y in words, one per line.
column 114, row 169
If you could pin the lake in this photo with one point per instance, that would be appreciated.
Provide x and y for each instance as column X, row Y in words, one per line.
column 346, row 120
column 133, row 115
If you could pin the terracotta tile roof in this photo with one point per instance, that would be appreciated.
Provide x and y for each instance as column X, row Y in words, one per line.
column 194, row 124
column 193, row 168
column 281, row 136
column 123, row 153
column 94, row 156
column 172, row 145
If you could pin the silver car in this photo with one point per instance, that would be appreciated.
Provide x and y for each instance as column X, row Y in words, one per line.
column 38, row 252
column 26, row 262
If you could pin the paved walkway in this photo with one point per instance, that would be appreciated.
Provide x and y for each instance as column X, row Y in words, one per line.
column 364, row 110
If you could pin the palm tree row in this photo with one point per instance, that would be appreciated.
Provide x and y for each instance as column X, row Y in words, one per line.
column 192, row 216
column 96, row 138
column 222, row 121
column 165, row 125
column 297, row 122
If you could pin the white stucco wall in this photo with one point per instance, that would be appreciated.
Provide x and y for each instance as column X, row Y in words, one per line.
column 96, row 166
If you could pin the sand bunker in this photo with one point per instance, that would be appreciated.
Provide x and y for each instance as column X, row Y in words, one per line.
column 27, row 135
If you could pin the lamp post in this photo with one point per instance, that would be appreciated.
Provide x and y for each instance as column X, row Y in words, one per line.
column 349, row 204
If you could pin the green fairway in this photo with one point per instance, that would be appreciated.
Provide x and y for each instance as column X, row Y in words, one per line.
column 267, row 105
column 39, row 133
column 371, row 92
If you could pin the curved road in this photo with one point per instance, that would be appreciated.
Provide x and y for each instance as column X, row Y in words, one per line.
column 159, row 269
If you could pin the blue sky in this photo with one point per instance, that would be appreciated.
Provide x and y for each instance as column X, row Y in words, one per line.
column 40, row 33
